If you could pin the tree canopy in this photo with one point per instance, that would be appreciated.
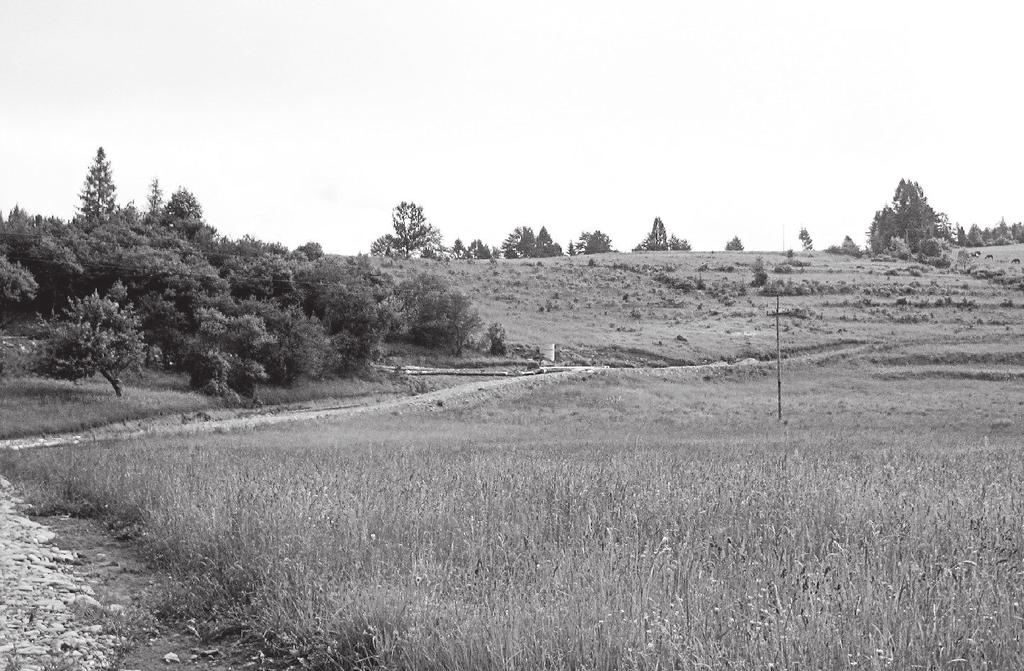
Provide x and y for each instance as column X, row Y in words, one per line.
column 909, row 216
column 93, row 335
column 594, row 242
column 413, row 235
column 734, row 245
column 658, row 240
column 165, row 287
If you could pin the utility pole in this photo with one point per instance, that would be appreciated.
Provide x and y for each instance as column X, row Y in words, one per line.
column 778, row 346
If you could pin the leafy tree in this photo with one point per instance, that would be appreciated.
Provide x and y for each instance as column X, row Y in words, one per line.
column 311, row 251
column 734, row 245
column 435, row 314
column 961, row 236
column 155, row 202
column 353, row 300
column 226, row 356
column 496, row 339
column 93, row 335
column 413, row 234
column 520, row 244
column 383, row 246
column 805, row 239
column 760, row 273
column 546, row 247
column 848, row 248
column 975, row 237
column 99, row 195
column 908, row 216
column 678, row 244
column 478, row 250
column 16, row 285
column 656, row 240
column 262, row 276
column 459, row 249
column 571, row 250
column 594, row 243
column 897, row 247
column 298, row 345
column 933, row 248
column 184, row 215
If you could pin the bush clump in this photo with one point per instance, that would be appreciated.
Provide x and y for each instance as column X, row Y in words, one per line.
column 436, row 315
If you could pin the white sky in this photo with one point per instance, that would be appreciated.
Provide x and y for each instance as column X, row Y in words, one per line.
column 310, row 120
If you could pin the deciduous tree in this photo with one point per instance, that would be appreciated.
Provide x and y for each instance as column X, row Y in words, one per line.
column 413, row 234
column 594, row 242
column 734, row 245
column 93, row 335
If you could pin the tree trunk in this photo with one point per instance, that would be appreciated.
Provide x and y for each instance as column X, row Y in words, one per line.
column 114, row 381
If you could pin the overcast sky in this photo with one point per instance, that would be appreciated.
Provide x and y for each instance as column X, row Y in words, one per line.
column 310, row 120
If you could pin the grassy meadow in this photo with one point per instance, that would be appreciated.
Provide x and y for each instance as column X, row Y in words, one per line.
column 626, row 520
column 624, row 310
column 647, row 308
column 31, row 406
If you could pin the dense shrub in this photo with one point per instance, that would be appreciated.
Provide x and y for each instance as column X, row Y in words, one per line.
column 299, row 345
column 435, row 314
column 495, row 339
column 848, row 248
column 356, row 304
column 683, row 284
column 760, row 274
column 227, row 355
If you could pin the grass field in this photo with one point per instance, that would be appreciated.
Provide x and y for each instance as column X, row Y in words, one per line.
column 628, row 520
column 625, row 309
column 646, row 308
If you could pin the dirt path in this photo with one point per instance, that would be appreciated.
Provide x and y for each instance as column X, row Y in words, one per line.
column 476, row 390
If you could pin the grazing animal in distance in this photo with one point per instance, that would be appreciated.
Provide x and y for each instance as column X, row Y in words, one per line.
column 976, row 254
column 1017, row 261
column 988, row 256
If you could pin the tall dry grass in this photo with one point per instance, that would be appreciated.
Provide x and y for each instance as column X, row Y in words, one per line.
column 621, row 523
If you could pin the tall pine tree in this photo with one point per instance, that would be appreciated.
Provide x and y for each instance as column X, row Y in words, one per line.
column 656, row 240
column 99, row 193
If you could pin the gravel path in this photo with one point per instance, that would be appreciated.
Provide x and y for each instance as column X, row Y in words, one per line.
column 48, row 616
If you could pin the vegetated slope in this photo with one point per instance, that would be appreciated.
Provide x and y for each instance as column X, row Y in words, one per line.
column 625, row 520
column 693, row 307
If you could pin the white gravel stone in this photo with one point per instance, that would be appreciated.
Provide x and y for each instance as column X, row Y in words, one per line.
column 36, row 629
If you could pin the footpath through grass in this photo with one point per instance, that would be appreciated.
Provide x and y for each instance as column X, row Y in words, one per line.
column 31, row 406
column 625, row 521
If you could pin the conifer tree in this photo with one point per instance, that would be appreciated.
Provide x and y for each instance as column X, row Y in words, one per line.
column 155, row 199
column 99, row 194
column 805, row 240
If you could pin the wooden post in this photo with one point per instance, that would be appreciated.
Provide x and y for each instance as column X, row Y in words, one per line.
column 778, row 314
column 778, row 355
